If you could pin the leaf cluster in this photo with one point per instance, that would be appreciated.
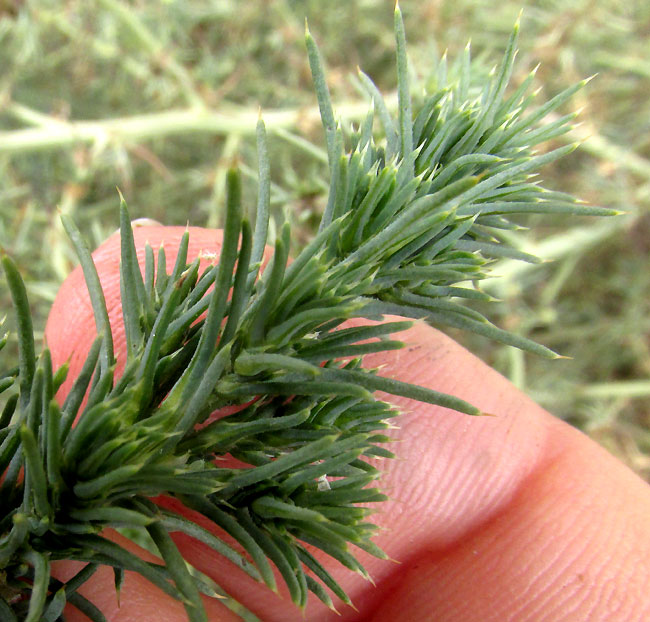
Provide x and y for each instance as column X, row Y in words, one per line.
column 412, row 222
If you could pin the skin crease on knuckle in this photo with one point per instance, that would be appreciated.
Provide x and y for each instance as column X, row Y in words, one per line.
column 511, row 517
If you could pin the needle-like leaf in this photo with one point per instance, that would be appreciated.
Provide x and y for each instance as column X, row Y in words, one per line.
column 413, row 221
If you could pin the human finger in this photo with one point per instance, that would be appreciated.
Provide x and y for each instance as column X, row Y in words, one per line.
column 467, row 471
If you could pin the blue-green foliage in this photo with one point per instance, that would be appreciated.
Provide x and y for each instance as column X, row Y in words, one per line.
column 412, row 221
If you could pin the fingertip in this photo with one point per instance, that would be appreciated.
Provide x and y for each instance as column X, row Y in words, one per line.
column 571, row 545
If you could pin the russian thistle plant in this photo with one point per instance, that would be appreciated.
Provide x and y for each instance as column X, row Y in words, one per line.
column 414, row 217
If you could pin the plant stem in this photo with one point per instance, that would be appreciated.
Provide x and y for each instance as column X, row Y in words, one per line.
column 52, row 133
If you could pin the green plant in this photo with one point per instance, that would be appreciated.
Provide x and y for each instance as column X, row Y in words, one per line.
column 412, row 222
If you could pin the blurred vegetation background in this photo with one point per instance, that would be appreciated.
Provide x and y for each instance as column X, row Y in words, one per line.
column 157, row 98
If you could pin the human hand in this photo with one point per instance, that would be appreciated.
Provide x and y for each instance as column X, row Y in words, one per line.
column 514, row 517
